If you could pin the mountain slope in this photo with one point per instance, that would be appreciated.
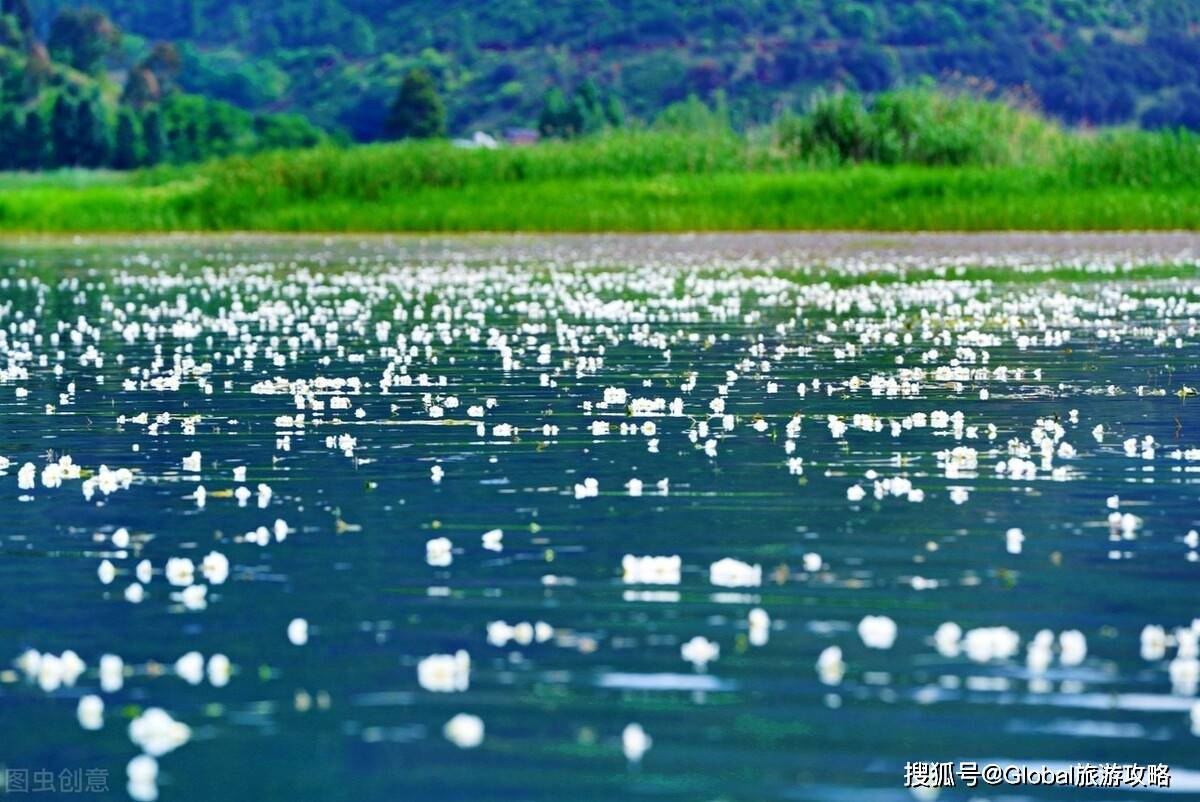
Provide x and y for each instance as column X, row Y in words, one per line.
column 339, row 61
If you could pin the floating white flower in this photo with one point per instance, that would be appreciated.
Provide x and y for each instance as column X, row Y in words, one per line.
column 219, row 670
column 439, row 552
column 445, row 673
column 947, row 638
column 191, row 462
column 1013, row 540
column 190, row 668
column 760, row 626
column 700, row 651
column 990, row 643
column 194, row 597
column 181, row 571
column 493, row 540
column 142, row 772
column 635, row 742
column 297, row 631
column 650, row 570
column 464, row 731
column 215, row 567
column 877, row 631
column 112, row 673
column 1072, row 646
column 830, row 667
column 731, row 573
column 90, row 712
column 157, row 733
column 1153, row 642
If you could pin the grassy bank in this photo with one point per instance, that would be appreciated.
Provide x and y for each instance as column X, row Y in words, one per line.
column 632, row 181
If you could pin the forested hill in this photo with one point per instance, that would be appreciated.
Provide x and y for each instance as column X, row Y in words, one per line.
column 339, row 61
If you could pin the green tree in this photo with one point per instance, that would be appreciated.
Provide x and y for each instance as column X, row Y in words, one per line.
column 62, row 132
column 11, row 35
column 35, row 145
column 141, row 87
column 128, row 148
column 154, row 136
column 11, row 129
column 93, row 137
column 20, row 11
column 555, row 117
column 586, row 112
column 82, row 38
column 417, row 112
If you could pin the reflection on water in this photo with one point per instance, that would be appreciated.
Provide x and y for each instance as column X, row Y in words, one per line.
column 693, row 518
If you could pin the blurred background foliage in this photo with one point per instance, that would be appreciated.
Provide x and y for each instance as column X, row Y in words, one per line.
column 125, row 83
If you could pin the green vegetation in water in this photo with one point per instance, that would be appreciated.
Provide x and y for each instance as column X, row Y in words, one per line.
column 910, row 161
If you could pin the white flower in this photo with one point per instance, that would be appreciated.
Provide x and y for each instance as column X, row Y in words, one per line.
column 1072, row 647
column 27, row 476
column 464, row 731
column 731, row 573
column 1013, row 539
column 194, row 597
column 947, row 638
column 445, row 673
column 297, row 631
column 1153, row 642
column 157, row 733
column 215, row 567
column 112, row 673
column 830, row 667
column 635, row 742
column 219, row 670
column 439, row 552
column 615, row 395
column 700, row 651
column 990, row 643
column 589, row 488
column 760, row 626
column 650, row 570
column 191, row 463
column 877, row 631
column 90, row 712
column 493, row 540
column 190, row 668
column 143, row 778
column 855, row 493
column 180, row 571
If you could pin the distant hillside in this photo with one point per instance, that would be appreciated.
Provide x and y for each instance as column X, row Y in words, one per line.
column 339, row 61
column 62, row 106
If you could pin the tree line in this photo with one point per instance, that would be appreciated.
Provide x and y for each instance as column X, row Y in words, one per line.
column 60, row 108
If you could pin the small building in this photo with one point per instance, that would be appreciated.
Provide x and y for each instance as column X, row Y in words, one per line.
column 521, row 136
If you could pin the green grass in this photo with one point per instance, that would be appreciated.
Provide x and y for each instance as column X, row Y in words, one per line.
column 636, row 181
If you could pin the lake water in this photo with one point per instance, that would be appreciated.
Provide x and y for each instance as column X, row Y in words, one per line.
column 913, row 499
